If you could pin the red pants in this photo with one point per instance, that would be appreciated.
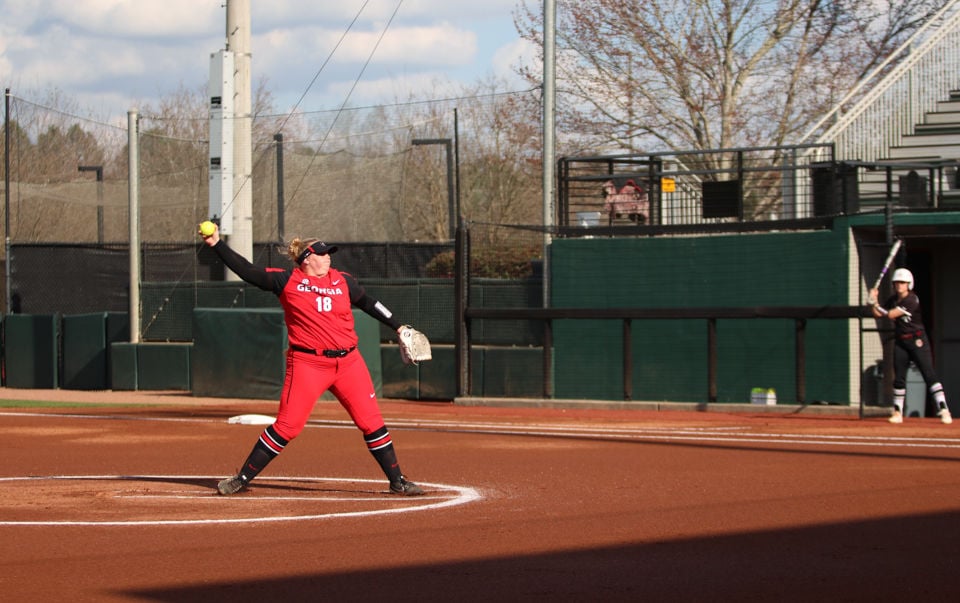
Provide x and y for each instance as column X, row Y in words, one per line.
column 309, row 376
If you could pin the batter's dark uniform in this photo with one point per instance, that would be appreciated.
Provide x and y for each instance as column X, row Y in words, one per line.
column 911, row 344
column 322, row 355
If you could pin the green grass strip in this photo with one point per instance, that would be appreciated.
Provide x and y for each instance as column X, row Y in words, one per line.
column 52, row 404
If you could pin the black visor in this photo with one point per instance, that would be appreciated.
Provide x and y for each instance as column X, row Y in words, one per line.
column 319, row 248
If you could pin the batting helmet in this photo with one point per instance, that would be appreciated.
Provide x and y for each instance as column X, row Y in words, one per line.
column 902, row 275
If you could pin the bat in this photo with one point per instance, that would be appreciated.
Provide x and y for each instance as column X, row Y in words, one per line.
column 887, row 262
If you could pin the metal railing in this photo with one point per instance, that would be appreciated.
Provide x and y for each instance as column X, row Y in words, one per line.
column 726, row 189
column 715, row 187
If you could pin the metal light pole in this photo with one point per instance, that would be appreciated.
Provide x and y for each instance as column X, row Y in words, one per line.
column 278, row 137
column 6, row 195
column 456, row 155
column 99, row 170
column 452, row 210
column 549, row 136
column 133, row 195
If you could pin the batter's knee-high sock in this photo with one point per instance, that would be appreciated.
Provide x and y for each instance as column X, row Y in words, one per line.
column 381, row 447
column 938, row 396
column 899, row 395
column 265, row 450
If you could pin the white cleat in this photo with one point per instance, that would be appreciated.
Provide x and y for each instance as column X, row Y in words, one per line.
column 945, row 416
column 896, row 417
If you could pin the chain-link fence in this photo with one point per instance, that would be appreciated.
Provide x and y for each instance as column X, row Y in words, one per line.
column 373, row 177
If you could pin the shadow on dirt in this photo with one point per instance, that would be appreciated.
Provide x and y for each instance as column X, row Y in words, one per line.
column 904, row 558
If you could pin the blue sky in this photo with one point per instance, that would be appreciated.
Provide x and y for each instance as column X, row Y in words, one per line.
column 111, row 55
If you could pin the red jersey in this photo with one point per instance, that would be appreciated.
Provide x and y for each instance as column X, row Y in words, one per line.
column 317, row 309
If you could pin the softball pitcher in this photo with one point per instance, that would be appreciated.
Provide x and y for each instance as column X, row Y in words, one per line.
column 321, row 356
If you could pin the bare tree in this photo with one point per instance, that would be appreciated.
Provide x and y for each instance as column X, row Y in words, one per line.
column 51, row 199
column 174, row 157
column 499, row 162
column 709, row 74
column 502, row 181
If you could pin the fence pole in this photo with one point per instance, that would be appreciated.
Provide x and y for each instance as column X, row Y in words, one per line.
column 461, row 277
column 133, row 194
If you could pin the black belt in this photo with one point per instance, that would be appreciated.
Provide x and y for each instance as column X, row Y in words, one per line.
column 327, row 353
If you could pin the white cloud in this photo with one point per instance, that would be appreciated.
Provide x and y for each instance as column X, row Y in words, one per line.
column 426, row 45
column 509, row 57
column 286, row 12
column 389, row 89
column 121, row 51
column 138, row 18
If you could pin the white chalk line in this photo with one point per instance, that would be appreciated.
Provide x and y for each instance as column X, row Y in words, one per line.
column 735, row 434
column 459, row 495
column 249, row 499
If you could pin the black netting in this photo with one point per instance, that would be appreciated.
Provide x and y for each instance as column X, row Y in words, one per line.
column 78, row 279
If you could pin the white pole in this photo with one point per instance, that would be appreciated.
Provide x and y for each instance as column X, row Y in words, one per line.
column 549, row 136
column 238, row 41
column 133, row 194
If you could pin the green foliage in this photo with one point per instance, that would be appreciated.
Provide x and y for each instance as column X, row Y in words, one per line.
column 505, row 262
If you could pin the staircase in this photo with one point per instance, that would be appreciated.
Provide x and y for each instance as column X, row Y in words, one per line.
column 935, row 147
column 938, row 137
column 905, row 94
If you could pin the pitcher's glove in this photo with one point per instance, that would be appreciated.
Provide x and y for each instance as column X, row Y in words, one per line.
column 414, row 345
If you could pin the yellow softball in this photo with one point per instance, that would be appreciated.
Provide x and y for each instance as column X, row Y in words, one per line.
column 207, row 228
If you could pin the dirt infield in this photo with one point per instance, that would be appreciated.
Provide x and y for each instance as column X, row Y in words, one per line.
column 113, row 499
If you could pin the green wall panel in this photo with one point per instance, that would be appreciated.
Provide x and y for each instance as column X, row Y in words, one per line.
column 238, row 353
column 513, row 372
column 670, row 356
column 399, row 380
column 31, row 350
column 435, row 311
column 670, row 361
column 438, row 376
column 587, row 359
column 368, row 336
column 163, row 366
column 241, row 352
column 827, row 344
column 755, row 353
column 123, row 366
column 85, row 352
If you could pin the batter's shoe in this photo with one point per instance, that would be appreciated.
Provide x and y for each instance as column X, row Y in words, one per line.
column 231, row 485
column 944, row 415
column 896, row 417
column 405, row 487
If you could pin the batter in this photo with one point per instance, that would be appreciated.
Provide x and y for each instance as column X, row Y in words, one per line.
column 912, row 344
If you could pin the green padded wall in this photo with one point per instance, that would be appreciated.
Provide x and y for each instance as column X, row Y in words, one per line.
column 241, row 353
column 31, row 350
column 123, row 366
column 85, row 351
column 670, row 356
column 513, row 372
column 436, row 379
column 118, row 331
column 399, row 380
column 238, row 353
column 368, row 335
column 163, row 366
column 438, row 376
